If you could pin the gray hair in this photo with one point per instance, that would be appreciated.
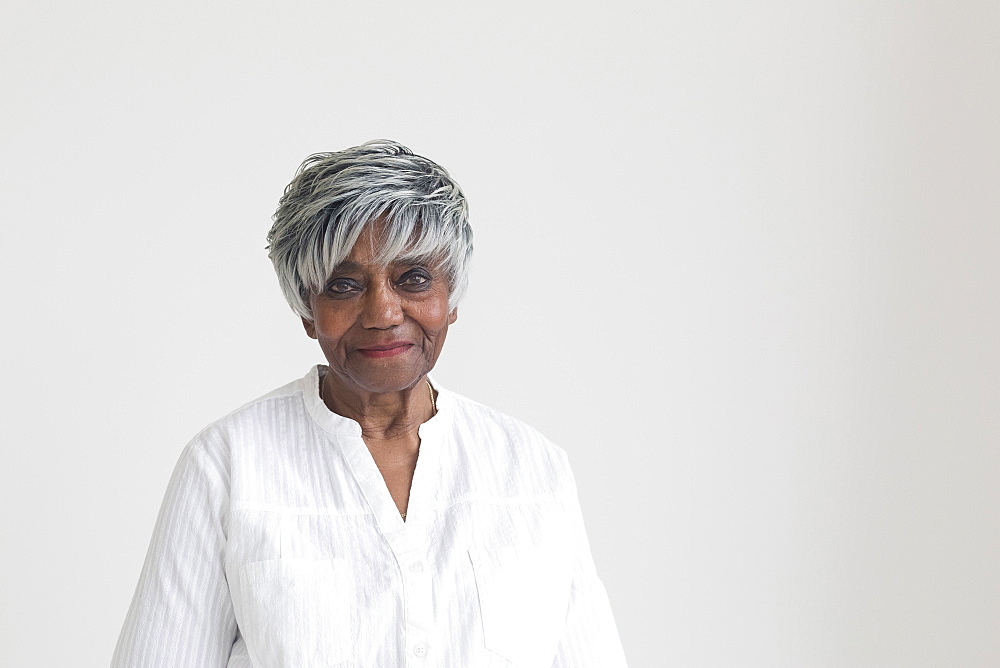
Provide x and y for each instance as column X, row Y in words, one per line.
column 335, row 195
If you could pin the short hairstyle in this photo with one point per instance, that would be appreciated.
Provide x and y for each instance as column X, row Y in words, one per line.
column 335, row 195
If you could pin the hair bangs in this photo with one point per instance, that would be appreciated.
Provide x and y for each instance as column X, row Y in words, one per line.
column 417, row 211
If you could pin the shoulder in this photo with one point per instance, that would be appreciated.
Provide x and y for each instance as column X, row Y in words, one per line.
column 505, row 444
column 509, row 431
column 258, row 419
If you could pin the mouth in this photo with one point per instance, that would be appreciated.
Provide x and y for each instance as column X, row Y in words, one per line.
column 387, row 350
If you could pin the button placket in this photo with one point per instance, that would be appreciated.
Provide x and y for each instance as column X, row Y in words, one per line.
column 415, row 575
column 411, row 550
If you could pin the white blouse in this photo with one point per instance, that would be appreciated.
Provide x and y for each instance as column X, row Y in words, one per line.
column 278, row 544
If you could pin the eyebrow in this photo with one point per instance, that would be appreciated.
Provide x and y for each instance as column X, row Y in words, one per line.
column 345, row 266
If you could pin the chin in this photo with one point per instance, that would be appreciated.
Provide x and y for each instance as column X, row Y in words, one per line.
column 387, row 380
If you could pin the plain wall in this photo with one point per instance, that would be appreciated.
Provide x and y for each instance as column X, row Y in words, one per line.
column 738, row 259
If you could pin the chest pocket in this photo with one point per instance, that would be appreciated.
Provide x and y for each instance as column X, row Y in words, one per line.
column 523, row 597
column 297, row 612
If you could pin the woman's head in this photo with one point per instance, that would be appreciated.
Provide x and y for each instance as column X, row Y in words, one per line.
column 420, row 210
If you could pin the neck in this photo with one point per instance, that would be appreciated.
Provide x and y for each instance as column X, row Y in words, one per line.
column 383, row 416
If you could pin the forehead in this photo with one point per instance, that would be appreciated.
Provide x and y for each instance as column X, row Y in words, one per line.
column 368, row 249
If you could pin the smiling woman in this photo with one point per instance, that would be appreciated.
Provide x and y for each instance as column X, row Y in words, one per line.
column 363, row 515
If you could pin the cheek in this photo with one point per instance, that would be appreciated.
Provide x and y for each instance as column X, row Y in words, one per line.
column 330, row 326
column 436, row 317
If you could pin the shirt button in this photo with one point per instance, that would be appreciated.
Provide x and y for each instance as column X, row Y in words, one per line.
column 420, row 650
column 416, row 567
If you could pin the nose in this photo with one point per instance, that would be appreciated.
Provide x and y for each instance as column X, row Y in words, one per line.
column 381, row 308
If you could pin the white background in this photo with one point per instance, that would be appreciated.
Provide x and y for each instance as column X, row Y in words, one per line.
column 739, row 259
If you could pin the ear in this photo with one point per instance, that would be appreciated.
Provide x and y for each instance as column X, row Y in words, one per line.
column 453, row 316
column 310, row 328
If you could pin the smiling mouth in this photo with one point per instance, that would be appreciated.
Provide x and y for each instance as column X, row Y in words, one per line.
column 390, row 350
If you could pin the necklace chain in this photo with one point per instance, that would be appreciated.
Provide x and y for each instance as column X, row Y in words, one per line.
column 430, row 390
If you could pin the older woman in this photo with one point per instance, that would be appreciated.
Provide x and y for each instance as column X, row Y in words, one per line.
column 363, row 515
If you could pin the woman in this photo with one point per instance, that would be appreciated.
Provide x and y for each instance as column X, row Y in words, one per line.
column 364, row 516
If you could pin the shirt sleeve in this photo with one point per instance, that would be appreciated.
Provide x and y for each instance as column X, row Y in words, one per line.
column 182, row 613
column 590, row 637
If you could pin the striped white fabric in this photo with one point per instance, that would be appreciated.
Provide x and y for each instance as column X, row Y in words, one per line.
column 278, row 544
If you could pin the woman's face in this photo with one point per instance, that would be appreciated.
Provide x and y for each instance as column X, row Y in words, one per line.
column 380, row 328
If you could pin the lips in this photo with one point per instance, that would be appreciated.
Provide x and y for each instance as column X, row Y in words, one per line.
column 386, row 350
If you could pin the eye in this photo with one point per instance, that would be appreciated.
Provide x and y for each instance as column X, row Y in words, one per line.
column 341, row 286
column 415, row 279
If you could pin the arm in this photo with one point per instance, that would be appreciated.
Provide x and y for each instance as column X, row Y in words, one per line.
column 590, row 637
column 182, row 614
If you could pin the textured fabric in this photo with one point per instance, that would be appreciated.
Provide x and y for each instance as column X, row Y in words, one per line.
column 278, row 544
